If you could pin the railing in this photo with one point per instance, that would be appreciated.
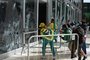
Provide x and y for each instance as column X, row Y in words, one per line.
column 49, row 35
column 28, row 33
column 24, row 39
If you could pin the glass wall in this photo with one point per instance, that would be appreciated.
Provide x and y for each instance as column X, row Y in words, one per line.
column 11, row 36
column 31, row 18
column 56, row 11
column 31, row 15
column 20, row 17
column 63, row 10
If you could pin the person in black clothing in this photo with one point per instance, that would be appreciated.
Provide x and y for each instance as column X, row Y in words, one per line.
column 68, row 23
column 84, row 26
column 80, row 32
column 73, row 43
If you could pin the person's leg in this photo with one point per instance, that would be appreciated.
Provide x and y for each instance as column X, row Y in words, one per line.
column 84, row 49
column 52, row 48
column 44, row 47
column 79, row 52
column 83, row 54
column 73, row 49
column 79, row 58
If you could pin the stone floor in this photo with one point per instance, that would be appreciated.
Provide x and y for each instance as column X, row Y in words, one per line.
column 63, row 53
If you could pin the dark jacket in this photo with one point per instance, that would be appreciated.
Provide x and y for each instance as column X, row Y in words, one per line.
column 80, row 33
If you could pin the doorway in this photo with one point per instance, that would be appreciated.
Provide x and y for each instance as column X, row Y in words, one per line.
column 42, row 13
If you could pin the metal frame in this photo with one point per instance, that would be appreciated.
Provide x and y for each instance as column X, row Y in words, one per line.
column 24, row 1
column 49, row 35
column 37, row 15
column 23, row 28
column 24, row 39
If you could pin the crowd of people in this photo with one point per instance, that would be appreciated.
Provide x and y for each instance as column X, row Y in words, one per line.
column 67, row 28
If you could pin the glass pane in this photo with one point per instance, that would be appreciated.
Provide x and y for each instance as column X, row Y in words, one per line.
column 11, row 24
column 58, row 8
column 31, row 15
column 66, row 12
column 63, row 5
column 58, row 13
column 53, row 8
column 30, row 18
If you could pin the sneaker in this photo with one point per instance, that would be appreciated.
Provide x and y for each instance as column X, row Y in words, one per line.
column 73, row 56
column 79, row 58
column 85, row 57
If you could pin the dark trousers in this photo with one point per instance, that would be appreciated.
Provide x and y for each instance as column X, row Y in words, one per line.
column 84, row 47
column 79, row 51
column 74, row 47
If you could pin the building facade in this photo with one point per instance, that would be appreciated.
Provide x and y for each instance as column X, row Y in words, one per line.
column 86, row 12
column 24, row 16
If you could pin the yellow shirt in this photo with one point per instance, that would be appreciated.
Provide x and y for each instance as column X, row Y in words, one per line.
column 50, row 38
column 52, row 26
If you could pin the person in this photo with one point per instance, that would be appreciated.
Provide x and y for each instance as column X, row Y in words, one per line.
column 66, row 30
column 73, row 44
column 80, row 32
column 53, row 26
column 84, row 27
column 68, row 22
column 48, row 39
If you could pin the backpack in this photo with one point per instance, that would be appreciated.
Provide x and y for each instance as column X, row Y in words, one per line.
column 80, row 32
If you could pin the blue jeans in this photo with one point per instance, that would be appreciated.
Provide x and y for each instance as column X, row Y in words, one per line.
column 45, row 42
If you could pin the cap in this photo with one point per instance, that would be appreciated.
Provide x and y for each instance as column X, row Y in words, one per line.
column 42, row 25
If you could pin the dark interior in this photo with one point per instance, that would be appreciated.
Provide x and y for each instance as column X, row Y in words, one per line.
column 42, row 13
